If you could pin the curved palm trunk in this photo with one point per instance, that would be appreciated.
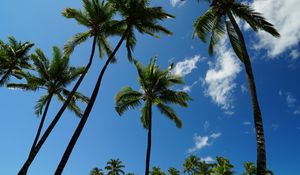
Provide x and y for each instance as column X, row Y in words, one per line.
column 5, row 76
column 31, row 157
column 41, row 124
column 87, row 111
column 148, row 154
column 260, row 138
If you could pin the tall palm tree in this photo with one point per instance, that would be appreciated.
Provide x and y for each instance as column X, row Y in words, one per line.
column 155, row 84
column 114, row 167
column 96, row 171
column 173, row 171
column 137, row 15
column 98, row 18
column 13, row 59
column 52, row 77
column 218, row 20
column 157, row 171
column 223, row 167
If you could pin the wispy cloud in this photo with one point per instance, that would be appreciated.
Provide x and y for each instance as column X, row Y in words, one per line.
column 291, row 102
column 177, row 3
column 206, row 125
column 207, row 159
column 188, row 88
column 247, row 123
column 244, row 88
column 220, row 77
column 185, row 67
column 203, row 141
column 285, row 16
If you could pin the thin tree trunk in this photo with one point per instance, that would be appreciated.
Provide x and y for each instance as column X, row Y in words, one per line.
column 148, row 154
column 5, row 76
column 260, row 138
column 87, row 111
column 31, row 157
column 41, row 124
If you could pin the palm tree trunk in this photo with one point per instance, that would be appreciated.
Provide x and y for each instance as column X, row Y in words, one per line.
column 260, row 138
column 41, row 124
column 5, row 76
column 87, row 111
column 31, row 157
column 148, row 154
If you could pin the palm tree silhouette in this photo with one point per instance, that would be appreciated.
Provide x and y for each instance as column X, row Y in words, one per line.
column 114, row 167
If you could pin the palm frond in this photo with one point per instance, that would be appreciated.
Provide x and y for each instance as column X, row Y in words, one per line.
column 75, row 41
column 40, row 104
column 176, row 97
column 79, row 16
column 217, row 31
column 127, row 99
column 170, row 113
column 254, row 19
column 145, row 117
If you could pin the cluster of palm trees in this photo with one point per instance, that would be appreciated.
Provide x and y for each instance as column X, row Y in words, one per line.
column 99, row 17
column 192, row 165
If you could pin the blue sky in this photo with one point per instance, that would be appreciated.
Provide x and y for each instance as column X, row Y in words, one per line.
column 218, row 121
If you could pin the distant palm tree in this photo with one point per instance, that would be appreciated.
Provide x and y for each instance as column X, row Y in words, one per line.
column 138, row 15
column 97, row 171
column 98, row 18
column 205, row 168
column 155, row 90
column 220, row 19
column 250, row 168
column 13, row 59
column 114, row 167
column 190, row 164
column 52, row 77
column 157, row 171
column 173, row 171
column 223, row 167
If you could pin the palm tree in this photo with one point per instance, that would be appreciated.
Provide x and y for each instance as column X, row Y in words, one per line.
column 13, row 59
column 97, row 171
column 205, row 168
column 173, row 171
column 220, row 19
column 52, row 77
column 98, row 18
column 137, row 15
column 190, row 164
column 114, row 167
column 250, row 168
column 223, row 167
column 155, row 85
column 157, row 171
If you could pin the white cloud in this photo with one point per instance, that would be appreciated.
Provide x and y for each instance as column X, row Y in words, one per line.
column 285, row 17
column 178, row 3
column 247, row 123
column 189, row 88
column 296, row 112
column 294, row 54
column 215, row 135
column 203, row 141
column 220, row 77
column 290, row 100
column 185, row 67
column 280, row 93
column 244, row 88
column 207, row 159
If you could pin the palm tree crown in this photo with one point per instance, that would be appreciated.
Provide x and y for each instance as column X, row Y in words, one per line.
column 138, row 15
column 155, row 84
column 114, row 167
column 53, row 77
column 97, row 16
column 13, row 59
